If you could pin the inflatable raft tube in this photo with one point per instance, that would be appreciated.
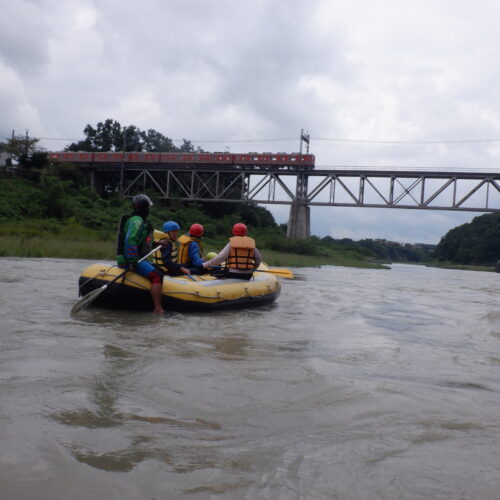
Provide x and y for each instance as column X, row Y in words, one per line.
column 206, row 293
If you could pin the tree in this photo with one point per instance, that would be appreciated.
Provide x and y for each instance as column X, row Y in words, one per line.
column 111, row 136
column 156, row 142
column 107, row 136
column 477, row 242
column 22, row 148
column 26, row 152
column 187, row 147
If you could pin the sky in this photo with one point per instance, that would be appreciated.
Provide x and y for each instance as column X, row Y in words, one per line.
column 375, row 82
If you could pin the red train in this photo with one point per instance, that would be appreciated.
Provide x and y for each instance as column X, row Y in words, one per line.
column 283, row 160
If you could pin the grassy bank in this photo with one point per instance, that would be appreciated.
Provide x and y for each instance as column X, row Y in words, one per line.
column 342, row 258
column 463, row 267
column 76, row 242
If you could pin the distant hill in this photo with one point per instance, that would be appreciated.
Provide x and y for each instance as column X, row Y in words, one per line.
column 475, row 243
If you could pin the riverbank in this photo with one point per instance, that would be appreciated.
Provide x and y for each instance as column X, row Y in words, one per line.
column 76, row 242
column 463, row 267
column 38, row 238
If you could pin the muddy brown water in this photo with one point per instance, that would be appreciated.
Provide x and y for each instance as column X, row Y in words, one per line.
column 356, row 384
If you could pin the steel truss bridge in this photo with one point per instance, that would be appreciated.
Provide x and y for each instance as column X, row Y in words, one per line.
column 381, row 187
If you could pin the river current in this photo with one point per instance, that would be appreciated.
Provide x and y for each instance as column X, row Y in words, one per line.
column 357, row 384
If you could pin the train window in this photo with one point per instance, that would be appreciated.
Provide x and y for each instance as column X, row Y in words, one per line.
column 169, row 157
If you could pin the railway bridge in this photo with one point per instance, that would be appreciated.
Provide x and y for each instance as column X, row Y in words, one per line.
column 289, row 179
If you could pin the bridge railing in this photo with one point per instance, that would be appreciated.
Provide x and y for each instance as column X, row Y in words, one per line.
column 400, row 169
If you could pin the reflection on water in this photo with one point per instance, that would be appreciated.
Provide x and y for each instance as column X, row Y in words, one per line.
column 355, row 382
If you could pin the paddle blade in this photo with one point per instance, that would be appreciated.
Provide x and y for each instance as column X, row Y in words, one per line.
column 282, row 273
column 85, row 301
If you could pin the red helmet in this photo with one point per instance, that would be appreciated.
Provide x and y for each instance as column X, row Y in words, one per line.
column 239, row 229
column 196, row 230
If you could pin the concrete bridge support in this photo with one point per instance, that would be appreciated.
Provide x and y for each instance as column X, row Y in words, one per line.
column 299, row 221
column 97, row 181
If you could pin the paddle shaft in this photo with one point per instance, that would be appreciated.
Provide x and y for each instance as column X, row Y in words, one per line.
column 284, row 273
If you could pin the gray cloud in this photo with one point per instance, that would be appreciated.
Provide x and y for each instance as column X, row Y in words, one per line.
column 23, row 40
column 228, row 70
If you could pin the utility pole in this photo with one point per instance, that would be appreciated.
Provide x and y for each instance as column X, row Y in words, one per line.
column 26, row 145
column 123, row 158
column 304, row 137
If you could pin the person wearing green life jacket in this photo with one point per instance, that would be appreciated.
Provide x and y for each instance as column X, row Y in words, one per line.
column 167, row 257
column 134, row 240
column 191, row 249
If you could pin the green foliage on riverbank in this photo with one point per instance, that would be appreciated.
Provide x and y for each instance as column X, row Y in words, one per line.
column 58, row 216
column 463, row 267
column 476, row 243
column 54, row 213
column 58, row 246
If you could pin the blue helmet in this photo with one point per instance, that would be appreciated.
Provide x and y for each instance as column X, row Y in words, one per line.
column 170, row 226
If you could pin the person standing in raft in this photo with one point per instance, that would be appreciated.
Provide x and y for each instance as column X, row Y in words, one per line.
column 134, row 240
column 240, row 254
column 191, row 249
column 167, row 257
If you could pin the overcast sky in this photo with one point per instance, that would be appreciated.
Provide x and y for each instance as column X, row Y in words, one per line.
column 234, row 70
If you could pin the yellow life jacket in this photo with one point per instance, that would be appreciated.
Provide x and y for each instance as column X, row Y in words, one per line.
column 241, row 253
column 184, row 242
column 157, row 257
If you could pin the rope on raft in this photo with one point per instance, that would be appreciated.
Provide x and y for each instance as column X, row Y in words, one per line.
column 195, row 294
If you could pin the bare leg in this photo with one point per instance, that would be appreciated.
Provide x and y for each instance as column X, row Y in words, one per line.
column 156, row 289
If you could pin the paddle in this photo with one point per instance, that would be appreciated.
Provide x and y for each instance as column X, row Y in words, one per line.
column 282, row 273
column 90, row 297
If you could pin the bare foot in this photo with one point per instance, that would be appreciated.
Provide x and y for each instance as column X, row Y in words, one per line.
column 158, row 311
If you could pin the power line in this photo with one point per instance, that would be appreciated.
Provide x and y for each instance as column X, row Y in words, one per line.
column 312, row 138
column 233, row 141
column 208, row 141
column 423, row 141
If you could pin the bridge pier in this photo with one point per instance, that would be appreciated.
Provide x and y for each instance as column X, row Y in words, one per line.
column 299, row 221
column 97, row 181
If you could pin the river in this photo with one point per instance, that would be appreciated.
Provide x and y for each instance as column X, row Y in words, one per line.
column 357, row 384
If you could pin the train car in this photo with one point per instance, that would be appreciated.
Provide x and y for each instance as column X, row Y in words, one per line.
column 108, row 157
column 196, row 158
column 274, row 159
column 215, row 158
column 177, row 158
column 142, row 157
column 71, row 156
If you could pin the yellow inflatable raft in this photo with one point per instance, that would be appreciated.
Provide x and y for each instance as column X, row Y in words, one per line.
column 132, row 291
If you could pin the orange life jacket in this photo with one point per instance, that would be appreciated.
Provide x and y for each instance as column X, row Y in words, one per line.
column 241, row 253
